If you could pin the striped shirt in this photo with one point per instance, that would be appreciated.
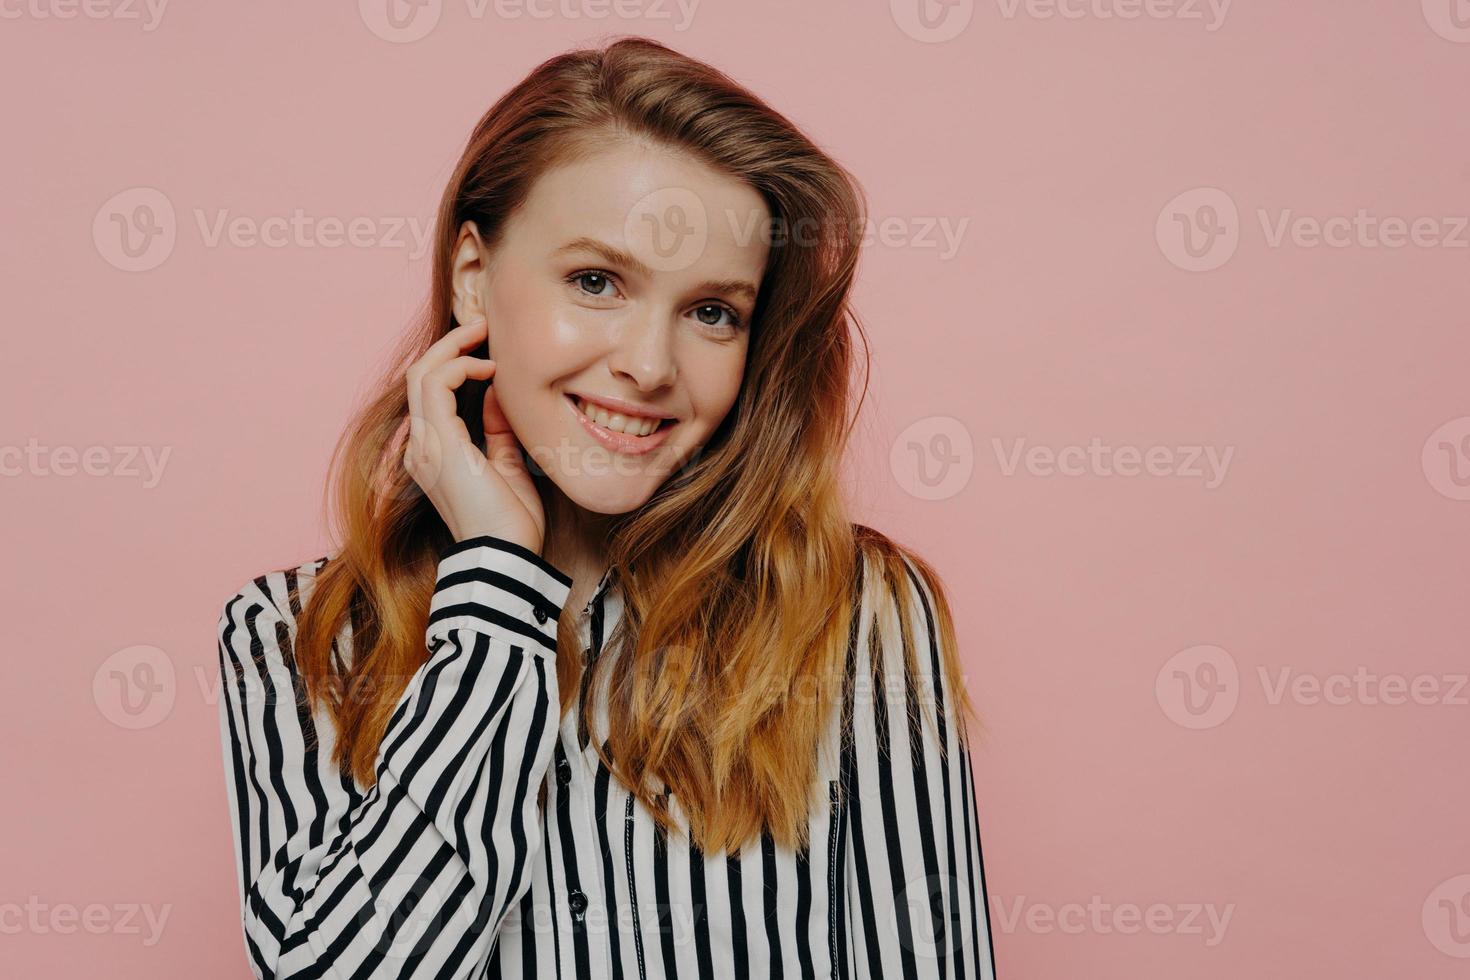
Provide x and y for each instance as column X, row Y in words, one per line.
column 451, row 865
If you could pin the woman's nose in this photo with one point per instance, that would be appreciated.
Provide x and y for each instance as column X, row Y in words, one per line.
column 643, row 352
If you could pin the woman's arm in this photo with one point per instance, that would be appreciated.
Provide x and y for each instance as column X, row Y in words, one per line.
column 416, row 880
column 915, row 887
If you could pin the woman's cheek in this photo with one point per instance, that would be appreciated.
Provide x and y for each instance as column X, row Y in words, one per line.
column 721, row 384
column 513, row 306
column 570, row 326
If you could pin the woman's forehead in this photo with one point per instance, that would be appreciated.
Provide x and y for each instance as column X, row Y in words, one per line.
column 666, row 208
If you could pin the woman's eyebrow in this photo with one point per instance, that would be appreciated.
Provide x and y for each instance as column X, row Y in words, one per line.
column 617, row 256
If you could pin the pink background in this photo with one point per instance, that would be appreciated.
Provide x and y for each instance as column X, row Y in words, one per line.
column 1337, row 541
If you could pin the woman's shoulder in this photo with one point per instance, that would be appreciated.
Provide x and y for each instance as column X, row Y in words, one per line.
column 909, row 624
column 282, row 589
column 258, row 622
column 890, row 568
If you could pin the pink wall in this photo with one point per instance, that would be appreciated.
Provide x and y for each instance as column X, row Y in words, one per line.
column 1298, row 543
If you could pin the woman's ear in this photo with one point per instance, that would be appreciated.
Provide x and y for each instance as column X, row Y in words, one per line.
column 468, row 274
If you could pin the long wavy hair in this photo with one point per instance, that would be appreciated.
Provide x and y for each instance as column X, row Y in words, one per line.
column 740, row 575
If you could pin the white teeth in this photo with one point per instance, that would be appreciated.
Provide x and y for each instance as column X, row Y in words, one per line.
column 616, row 422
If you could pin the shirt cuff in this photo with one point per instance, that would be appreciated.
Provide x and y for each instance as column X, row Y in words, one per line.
column 496, row 587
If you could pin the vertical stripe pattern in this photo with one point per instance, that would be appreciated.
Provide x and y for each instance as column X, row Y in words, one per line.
column 495, row 844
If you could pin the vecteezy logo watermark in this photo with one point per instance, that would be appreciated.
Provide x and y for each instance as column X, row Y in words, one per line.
column 1207, row 463
column 405, row 21
column 400, row 21
column 134, row 688
column 938, row 232
column 405, row 908
column 34, row 459
column 932, row 21
column 670, row 226
column 933, row 458
column 1446, row 916
column 1198, row 687
column 63, row 918
column 1199, row 230
column 135, row 230
column 123, row 10
column 1450, row 19
column 1446, row 458
column 409, row 907
column 1097, row 917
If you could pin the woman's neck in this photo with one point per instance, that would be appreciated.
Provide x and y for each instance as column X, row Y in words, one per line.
column 576, row 543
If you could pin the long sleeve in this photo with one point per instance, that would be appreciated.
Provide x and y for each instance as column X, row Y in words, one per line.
column 916, row 904
column 415, row 880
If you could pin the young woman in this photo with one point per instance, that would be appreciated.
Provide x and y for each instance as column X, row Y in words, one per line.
column 602, row 682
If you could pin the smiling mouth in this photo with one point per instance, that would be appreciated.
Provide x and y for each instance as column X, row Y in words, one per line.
column 628, row 426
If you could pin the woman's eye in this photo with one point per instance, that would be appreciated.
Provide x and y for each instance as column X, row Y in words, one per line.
column 709, row 314
column 593, row 283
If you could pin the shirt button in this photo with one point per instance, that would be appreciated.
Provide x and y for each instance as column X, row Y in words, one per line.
column 563, row 772
column 578, row 901
column 540, row 615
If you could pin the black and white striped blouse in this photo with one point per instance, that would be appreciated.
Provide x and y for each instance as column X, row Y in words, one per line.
column 450, row 867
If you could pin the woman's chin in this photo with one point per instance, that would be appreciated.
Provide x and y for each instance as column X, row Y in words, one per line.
column 608, row 495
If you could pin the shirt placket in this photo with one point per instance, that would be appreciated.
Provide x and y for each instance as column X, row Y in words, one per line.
column 590, row 919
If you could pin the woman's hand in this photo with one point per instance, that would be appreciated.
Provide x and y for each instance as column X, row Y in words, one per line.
column 474, row 495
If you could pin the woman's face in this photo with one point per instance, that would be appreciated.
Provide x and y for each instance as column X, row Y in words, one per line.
column 628, row 278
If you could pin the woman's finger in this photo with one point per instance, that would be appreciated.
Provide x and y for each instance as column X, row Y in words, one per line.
column 498, row 435
column 440, row 351
column 439, row 384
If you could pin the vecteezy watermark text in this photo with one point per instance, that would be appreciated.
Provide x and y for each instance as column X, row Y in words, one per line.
column 1102, row 918
column 136, row 230
column 120, row 10
column 1200, row 229
column 38, row 917
column 1207, row 463
column 1211, row 13
column 406, row 21
column 34, row 459
column 1200, row 687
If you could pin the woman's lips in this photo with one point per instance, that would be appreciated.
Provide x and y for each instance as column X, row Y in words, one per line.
column 620, row 442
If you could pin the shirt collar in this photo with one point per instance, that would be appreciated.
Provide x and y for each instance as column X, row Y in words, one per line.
column 603, row 585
